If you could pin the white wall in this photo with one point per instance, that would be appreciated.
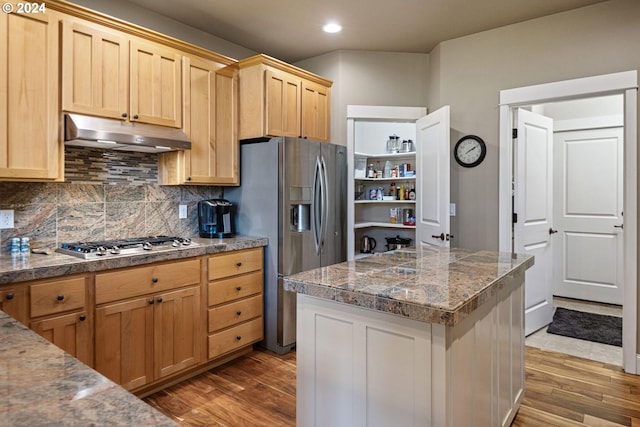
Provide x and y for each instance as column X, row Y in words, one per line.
column 134, row 14
column 593, row 40
column 370, row 78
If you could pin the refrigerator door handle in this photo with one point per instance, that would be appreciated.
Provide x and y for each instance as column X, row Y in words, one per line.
column 325, row 203
column 317, row 208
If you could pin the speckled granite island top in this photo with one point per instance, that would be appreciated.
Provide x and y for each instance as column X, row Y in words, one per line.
column 41, row 385
column 37, row 266
column 430, row 285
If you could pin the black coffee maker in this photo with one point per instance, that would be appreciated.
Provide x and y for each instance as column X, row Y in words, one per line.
column 216, row 218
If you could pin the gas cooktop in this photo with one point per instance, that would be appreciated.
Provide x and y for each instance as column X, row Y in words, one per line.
column 134, row 245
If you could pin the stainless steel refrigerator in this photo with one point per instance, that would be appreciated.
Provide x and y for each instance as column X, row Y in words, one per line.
column 292, row 191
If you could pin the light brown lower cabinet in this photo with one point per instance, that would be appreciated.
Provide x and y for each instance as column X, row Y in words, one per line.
column 15, row 302
column 145, row 339
column 58, row 312
column 71, row 332
column 145, row 326
column 235, row 301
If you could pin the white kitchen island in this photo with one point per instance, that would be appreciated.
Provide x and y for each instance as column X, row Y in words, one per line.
column 414, row 337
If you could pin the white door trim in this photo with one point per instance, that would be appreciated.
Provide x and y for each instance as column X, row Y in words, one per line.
column 625, row 83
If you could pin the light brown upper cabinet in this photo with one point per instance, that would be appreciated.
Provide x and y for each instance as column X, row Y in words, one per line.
column 278, row 99
column 30, row 146
column 282, row 103
column 95, row 70
column 109, row 74
column 210, row 122
column 315, row 111
column 156, row 86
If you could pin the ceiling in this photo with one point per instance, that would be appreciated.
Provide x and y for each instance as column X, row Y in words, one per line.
column 291, row 30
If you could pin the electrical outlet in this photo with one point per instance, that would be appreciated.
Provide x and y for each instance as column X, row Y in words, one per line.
column 182, row 211
column 6, row 219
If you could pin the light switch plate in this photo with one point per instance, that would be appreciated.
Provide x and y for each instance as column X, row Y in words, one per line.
column 6, row 219
column 182, row 211
column 452, row 209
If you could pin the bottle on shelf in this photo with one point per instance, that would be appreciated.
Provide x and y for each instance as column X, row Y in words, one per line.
column 412, row 193
column 401, row 191
column 392, row 190
column 406, row 192
column 387, row 169
column 370, row 172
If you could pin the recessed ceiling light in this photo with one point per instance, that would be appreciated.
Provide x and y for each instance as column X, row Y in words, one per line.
column 332, row 27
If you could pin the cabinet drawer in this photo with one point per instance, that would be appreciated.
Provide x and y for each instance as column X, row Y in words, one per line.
column 233, row 313
column 57, row 296
column 235, row 338
column 226, row 290
column 236, row 262
column 136, row 281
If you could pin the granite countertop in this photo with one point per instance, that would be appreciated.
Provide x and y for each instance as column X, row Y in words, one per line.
column 41, row 385
column 38, row 266
column 426, row 284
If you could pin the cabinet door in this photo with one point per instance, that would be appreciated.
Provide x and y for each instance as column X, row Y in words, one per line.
column 178, row 335
column 124, row 342
column 13, row 301
column 315, row 111
column 211, row 123
column 71, row 332
column 156, row 86
column 282, row 98
column 29, row 142
column 95, row 70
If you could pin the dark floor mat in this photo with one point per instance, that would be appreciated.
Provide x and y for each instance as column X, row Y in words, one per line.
column 587, row 326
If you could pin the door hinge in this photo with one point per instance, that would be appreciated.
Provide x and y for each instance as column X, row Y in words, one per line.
column 514, row 133
column 514, row 217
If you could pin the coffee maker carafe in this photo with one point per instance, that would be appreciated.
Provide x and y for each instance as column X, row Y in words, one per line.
column 216, row 218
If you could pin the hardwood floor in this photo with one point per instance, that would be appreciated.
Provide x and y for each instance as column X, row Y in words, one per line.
column 260, row 389
column 256, row 390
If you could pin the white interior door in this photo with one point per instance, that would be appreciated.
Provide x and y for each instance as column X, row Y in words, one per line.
column 432, row 185
column 588, row 165
column 533, row 202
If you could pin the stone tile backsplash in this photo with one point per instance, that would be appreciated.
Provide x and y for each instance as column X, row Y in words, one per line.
column 107, row 195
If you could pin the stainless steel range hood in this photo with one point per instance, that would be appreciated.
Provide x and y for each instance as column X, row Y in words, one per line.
column 87, row 131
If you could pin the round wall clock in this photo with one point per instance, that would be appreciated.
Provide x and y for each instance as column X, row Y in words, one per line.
column 470, row 151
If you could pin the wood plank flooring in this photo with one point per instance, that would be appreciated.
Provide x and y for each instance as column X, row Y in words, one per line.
column 259, row 390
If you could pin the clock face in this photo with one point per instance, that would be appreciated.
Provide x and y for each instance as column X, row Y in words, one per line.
column 470, row 151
